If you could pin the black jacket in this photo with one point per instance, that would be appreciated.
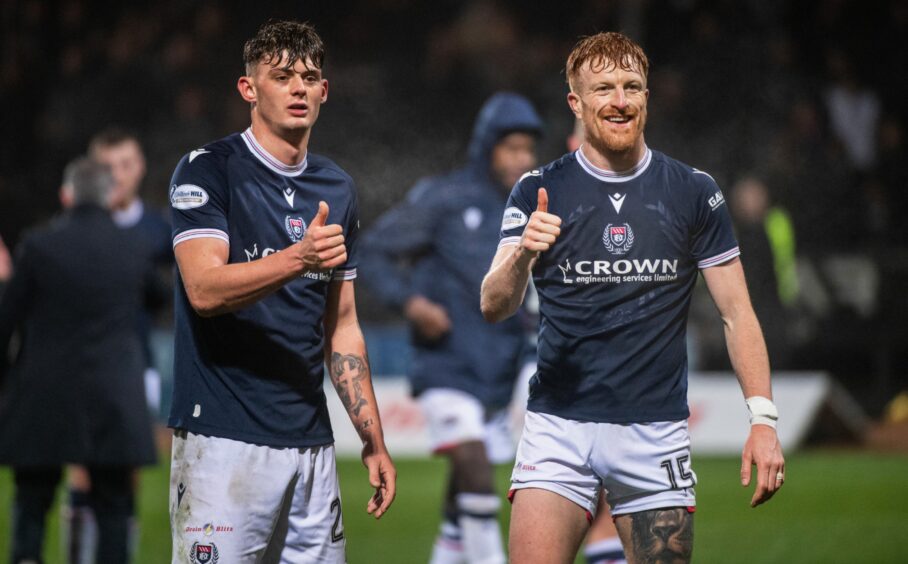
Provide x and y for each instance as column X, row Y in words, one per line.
column 75, row 392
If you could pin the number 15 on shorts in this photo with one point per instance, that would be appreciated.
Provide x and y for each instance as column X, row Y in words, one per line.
column 679, row 473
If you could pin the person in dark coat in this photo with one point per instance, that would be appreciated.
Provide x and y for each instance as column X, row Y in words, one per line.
column 427, row 257
column 74, row 393
column 122, row 152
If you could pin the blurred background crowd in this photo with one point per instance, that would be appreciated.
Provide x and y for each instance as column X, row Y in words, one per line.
column 796, row 108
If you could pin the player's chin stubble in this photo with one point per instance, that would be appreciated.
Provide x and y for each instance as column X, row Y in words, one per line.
column 620, row 143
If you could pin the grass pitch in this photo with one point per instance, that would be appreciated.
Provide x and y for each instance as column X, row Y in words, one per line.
column 835, row 507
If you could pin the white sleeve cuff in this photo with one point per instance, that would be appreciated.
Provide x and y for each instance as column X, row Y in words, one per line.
column 509, row 241
column 719, row 259
column 346, row 274
column 201, row 234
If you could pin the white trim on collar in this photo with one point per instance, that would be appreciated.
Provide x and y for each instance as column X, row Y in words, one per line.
column 610, row 175
column 270, row 160
column 130, row 216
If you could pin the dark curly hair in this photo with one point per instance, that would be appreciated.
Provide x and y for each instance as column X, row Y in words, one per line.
column 298, row 40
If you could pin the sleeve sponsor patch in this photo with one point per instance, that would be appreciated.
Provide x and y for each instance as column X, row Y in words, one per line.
column 716, row 200
column 188, row 196
column 534, row 172
column 513, row 218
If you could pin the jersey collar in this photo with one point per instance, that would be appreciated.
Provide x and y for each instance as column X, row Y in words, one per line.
column 610, row 175
column 270, row 160
column 130, row 216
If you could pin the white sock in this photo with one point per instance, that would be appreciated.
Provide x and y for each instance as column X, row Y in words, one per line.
column 80, row 534
column 448, row 547
column 153, row 390
column 479, row 525
column 605, row 551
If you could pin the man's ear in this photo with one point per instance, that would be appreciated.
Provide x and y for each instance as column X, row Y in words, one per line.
column 246, row 87
column 575, row 104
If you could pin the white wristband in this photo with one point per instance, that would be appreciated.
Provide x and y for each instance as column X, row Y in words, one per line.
column 762, row 411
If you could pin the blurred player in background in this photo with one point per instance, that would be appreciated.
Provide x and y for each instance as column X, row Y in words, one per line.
column 614, row 235
column 122, row 153
column 426, row 257
column 265, row 241
column 76, row 394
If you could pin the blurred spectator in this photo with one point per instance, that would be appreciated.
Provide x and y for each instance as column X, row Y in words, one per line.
column 893, row 175
column 767, row 241
column 854, row 111
column 121, row 152
column 427, row 258
column 75, row 393
column 809, row 172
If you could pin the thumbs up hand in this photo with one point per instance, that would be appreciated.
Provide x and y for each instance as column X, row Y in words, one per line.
column 543, row 228
column 323, row 246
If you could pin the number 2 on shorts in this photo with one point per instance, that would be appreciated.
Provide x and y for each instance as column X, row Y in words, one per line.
column 336, row 536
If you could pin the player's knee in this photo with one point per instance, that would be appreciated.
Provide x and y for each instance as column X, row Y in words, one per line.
column 472, row 470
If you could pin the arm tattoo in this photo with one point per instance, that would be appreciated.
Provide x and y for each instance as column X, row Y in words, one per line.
column 366, row 424
column 347, row 372
column 663, row 535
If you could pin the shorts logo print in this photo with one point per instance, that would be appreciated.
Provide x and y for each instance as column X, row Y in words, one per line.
column 203, row 553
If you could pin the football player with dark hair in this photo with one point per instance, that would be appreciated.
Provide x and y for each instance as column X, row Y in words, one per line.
column 265, row 237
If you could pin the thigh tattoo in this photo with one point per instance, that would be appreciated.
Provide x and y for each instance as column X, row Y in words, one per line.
column 662, row 536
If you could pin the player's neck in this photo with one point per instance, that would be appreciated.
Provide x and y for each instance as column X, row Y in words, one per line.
column 288, row 147
column 124, row 205
column 615, row 161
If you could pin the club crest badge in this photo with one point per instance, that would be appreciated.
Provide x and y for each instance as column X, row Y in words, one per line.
column 296, row 228
column 204, row 553
column 618, row 239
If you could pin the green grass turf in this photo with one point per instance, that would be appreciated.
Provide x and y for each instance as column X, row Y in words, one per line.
column 836, row 507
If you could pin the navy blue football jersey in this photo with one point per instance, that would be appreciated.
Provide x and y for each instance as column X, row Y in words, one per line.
column 615, row 288
column 256, row 374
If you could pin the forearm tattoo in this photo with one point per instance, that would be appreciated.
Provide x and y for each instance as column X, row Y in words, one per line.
column 662, row 536
column 347, row 372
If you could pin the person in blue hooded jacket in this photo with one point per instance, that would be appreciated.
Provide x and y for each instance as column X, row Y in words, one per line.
column 426, row 258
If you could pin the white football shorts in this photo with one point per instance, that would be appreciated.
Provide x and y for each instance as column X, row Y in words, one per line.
column 235, row 502
column 454, row 417
column 640, row 466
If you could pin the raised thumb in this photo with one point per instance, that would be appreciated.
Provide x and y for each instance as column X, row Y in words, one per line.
column 542, row 201
column 321, row 216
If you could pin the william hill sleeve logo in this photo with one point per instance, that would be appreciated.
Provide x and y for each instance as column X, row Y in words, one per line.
column 513, row 218
column 188, row 196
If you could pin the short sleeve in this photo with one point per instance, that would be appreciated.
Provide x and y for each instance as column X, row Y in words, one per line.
column 198, row 198
column 521, row 204
column 347, row 271
column 713, row 240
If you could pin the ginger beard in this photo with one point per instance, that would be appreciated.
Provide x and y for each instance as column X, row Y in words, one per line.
column 609, row 139
column 613, row 122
